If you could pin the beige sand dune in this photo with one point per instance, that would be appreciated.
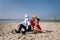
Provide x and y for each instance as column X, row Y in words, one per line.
column 51, row 32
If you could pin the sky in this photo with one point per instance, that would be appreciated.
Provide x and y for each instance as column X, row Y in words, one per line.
column 16, row 9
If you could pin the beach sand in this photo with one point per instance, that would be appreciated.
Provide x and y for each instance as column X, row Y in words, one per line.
column 51, row 32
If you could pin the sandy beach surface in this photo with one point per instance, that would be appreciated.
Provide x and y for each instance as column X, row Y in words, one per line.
column 51, row 32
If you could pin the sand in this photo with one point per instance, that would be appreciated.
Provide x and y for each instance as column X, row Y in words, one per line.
column 51, row 32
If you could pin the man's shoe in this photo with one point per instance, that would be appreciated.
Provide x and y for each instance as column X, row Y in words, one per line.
column 23, row 32
column 17, row 31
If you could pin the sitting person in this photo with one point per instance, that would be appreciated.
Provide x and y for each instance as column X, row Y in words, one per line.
column 35, row 24
column 25, row 25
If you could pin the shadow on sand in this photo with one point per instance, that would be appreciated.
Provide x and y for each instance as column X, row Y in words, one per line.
column 35, row 32
column 46, row 31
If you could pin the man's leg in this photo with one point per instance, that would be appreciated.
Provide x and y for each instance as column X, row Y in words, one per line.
column 24, row 27
column 20, row 27
column 29, row 28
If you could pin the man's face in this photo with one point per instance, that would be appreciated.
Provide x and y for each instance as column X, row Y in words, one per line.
column 26, row 18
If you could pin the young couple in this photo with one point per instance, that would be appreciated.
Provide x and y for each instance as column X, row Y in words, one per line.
column 29, row 25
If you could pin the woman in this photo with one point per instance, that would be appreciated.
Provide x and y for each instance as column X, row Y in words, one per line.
column 35, row 24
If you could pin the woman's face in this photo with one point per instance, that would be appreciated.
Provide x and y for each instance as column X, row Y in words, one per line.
column 34, row 17
column 36, row 22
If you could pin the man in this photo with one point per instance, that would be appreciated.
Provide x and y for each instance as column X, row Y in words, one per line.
column 25, row 25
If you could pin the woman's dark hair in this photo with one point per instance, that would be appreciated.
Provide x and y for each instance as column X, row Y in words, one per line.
column 38, row 19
